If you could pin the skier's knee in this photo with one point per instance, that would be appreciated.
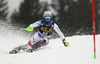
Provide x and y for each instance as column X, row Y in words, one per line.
column 43, row 42
column 46, row 42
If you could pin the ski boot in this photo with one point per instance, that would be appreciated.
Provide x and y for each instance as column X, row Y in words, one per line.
column 27, row 48
column 13, row 52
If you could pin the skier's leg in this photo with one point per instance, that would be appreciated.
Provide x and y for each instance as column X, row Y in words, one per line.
column 26, row 47
column 47, row 41
column 37, row 41
column 22, row 47
column 43, row 42
column 15, row 50
column 34, row 39
column 34, row 43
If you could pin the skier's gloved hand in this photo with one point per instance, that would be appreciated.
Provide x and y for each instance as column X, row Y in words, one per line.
column 29, row 28
column 65, row 43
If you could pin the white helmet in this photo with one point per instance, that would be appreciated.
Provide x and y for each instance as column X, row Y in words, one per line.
column 47, row 15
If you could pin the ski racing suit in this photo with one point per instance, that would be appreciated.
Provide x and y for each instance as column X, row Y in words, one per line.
column 44, row 32
column 41, row 38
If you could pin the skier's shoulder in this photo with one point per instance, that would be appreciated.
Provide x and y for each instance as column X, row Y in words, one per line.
column 55, row 24
column 39, row 22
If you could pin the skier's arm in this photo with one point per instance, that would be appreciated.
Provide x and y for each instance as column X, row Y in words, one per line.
column 56, row 28
column 32, row 26
column 36, row 24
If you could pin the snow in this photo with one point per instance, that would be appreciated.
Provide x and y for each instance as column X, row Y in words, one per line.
column 80, row 51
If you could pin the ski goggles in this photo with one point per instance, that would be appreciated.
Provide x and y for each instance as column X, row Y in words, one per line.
column 47, row 17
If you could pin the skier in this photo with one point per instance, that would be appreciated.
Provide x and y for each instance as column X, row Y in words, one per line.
column 41, row 38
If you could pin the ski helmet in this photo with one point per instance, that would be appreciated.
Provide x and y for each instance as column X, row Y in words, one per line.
column 47, row 15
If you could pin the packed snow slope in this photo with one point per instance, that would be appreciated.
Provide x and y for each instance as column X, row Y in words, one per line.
column 80, row 52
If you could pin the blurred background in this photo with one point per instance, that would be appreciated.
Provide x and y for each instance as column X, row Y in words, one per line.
column 74, row 17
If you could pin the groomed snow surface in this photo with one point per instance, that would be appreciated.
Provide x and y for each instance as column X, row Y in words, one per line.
column 80, row 52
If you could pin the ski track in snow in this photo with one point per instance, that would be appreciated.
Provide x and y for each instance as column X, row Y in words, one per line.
column 80, row 51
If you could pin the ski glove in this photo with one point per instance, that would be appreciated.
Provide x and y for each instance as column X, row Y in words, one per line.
column 66, row 43
column 29, row 28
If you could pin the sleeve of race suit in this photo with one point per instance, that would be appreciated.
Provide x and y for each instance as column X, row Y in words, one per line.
column 36, row 24
column 56, row 28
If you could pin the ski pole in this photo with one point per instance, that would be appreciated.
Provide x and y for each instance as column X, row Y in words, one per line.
column 27, row 29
